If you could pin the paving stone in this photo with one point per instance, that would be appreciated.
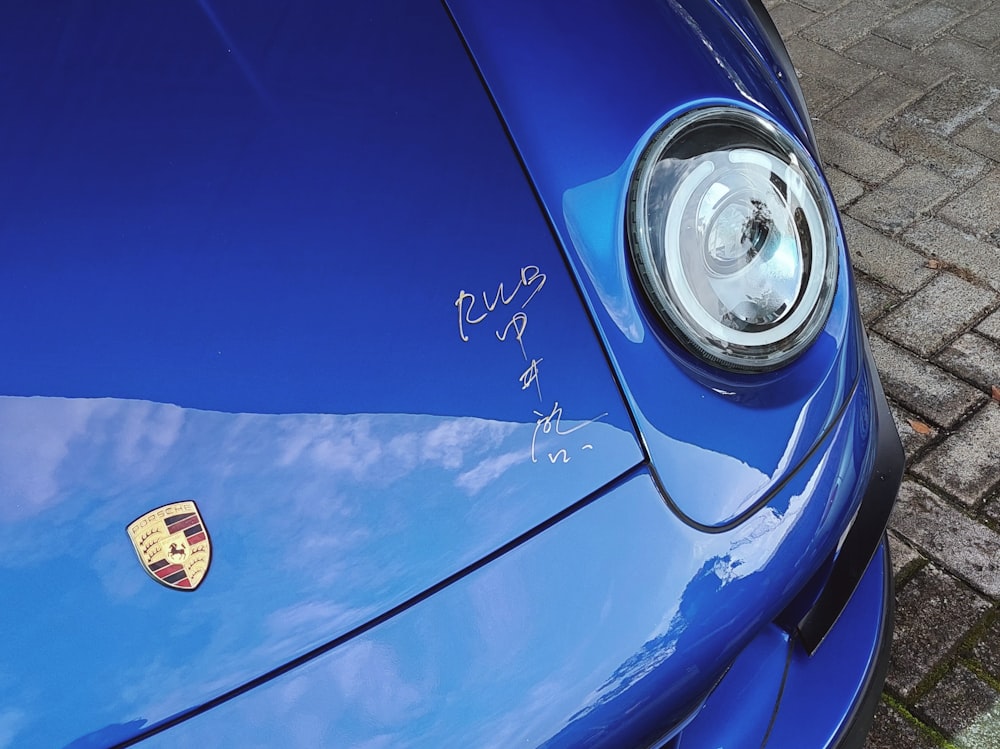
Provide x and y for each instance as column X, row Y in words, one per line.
column 983, row 28
column 893, row 7
column 891, row 730
column 976, row 210
column 858, row 158
column 967, row 465
column 820, row 94
column 790, row 17
column 913, row 431
column 898, row 61
column 847, row 24
column 819, row 5
column 993, row 112
column 903, row 555
column 986, row 651
column 939, row 311
column 967, row 5
column 873, row 298
column 973, row 357
column 919, row 25
column 992, row 514
column 885, row 259
column 991, row 326
column 922, row 388
column 953, row 540
column 868, row 108
column 845, row 188
column 984, row 733
column 956, row 248
column 952, row 104
column 920, row 146
column 827, row 66
column 982, row 136
column 966, row 58
column 958, row 703
column 933, row 613
column 895, row 204
column 947, row 54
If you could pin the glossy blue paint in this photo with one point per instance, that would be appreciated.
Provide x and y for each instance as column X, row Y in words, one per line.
column 835, row 675
column 233, row 242
column 738, row 713
column 253, row 253
column 582, row 92
column 775, row 690
column 272, row 216
column 318, row 523
column 657, row 608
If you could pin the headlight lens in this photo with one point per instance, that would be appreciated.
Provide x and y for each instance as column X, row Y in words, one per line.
column 733, row 238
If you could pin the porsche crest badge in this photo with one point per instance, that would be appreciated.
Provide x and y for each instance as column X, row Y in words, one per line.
column 173, row 545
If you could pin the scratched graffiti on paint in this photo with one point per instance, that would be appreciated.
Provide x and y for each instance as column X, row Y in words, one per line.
column 505, row 311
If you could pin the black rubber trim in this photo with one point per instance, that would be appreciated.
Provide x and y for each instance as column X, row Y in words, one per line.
column 789, row 653
column 869, row 525
column 863, row 714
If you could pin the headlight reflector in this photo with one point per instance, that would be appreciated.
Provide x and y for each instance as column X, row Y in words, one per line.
column 733, row 238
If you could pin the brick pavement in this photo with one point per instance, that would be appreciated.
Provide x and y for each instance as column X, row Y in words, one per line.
column 905, row 98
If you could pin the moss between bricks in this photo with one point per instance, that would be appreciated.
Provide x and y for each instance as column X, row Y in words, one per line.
column 988, row 621
column 922, row 727
column 910, row 570
column 979, row 671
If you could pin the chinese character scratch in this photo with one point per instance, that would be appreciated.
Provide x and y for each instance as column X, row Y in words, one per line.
column 530, row 377
column 552, row 423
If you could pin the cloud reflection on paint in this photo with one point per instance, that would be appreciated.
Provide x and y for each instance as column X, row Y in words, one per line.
column 318, row 523
column 544, row 647
column 11, row 721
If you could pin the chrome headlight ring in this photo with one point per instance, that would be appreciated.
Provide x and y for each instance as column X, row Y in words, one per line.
column 734, row 238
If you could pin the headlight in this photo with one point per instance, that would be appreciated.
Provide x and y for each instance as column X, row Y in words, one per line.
column 733, row 238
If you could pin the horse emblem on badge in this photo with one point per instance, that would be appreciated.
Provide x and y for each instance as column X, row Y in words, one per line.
column 173, row 545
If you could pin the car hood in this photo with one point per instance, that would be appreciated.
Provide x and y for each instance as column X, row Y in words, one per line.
column 583, row 90
column 280, row 262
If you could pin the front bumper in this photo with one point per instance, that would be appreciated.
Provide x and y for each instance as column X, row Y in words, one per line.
column 836, row 654
column 777, row 696
column 868, row 527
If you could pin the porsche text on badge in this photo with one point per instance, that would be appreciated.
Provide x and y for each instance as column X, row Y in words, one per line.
column 173, row 545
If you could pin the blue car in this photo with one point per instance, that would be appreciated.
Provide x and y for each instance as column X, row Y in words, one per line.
column 425, row 374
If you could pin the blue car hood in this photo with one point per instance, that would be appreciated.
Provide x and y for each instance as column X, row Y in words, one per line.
column 583, row 88
column 280, row 261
